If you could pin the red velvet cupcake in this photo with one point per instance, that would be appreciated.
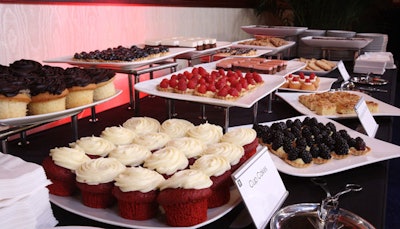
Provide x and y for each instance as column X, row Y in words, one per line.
column 136, row 190
column 60, row 168
column 184, row 198
column 95, row 179
column 245, row 137
column 218, row 168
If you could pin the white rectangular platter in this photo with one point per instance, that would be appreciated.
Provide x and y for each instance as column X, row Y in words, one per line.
column 336, row 42
column 380, row 151
column 274, row 50
column 259, row 52
column 219, row 45
column 119, row 65
column 292, row 66
column 292, row 98
column 279, row 31
column 325, row 84
column 42, row 118
column 271, row 83
column 319, row 73
column 110, row 215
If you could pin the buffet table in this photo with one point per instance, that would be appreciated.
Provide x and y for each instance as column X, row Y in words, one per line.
column 370, row 203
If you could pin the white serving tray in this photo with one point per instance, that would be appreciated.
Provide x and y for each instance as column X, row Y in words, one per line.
column 325, row 84
column 336, row 42
column 279, row 31
column 42, row 118
column 271, row 83
column 274, row 50
column 128, row 65
column 292, row 98
column 380, row 151
column 110, row 215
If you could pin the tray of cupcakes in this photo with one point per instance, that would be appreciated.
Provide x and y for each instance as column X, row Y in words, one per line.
column 150, row 174
column 34, row 93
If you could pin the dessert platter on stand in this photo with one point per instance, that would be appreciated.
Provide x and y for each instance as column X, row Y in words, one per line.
column 274, row 50
column 119, row 65
column 336, row 42
column 43, row 118
column 279, row 31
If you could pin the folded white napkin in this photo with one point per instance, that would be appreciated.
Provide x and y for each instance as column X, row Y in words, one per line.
column 18, row 178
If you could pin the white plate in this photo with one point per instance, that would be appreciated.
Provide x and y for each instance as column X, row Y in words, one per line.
column 380, row 151
column 325, row 84
column 110, row 215
column 279, row 31
column 384, row 109
column 271, row 83
column 274, row 50
column 119, row 65
column 292, row 66
column 220, row 45
column 259, row 52
column 336, row 42
column 319, row 73
column 33, row 119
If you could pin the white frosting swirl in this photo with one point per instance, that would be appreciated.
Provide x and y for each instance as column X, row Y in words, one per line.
column 232, row 152
column 138, row 179
column 187, row 179
column 98, row 171
column 208, row 133
column 212, row 165
column 118, row 135
column 142, row 125
column 240, row 136
column 167, row 160
column 152, row 141
column 176, row 128
column 130, row 155
column 94, row 145
column 70, row 158
column 191, row 147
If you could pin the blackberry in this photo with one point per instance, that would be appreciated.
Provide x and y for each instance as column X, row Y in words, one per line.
column 289, row 134
column 314, row 150
column 301, row 142
column 351, row 142
column 260, row 129
column 293, row 154
column 277, row 142
column 306, row 132
column 318, row 139
column 306, row 156
column 341, row 147
column 296, row 131
column 276, row 126
column 287, row 145
column 330, row 142
column 324, row 151
column 315, row 130
column 310, row 141
column 297, row 123
column 344, row 134
column 313, row 122
column 360, row 144
column 289, row 123
column 331, row 126
column 306, row 121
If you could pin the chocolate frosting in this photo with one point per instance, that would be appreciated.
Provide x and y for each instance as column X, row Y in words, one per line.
column 52, row 84
column 11, row 85
column 100, row 75
column 23, row 67
column 75, row 76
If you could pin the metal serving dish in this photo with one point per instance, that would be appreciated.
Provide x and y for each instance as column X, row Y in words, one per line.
column 305, row 216
column 368, row 80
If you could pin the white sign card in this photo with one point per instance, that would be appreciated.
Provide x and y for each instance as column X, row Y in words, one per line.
column 261, row 187
column 343, row 71
column 366, row 118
